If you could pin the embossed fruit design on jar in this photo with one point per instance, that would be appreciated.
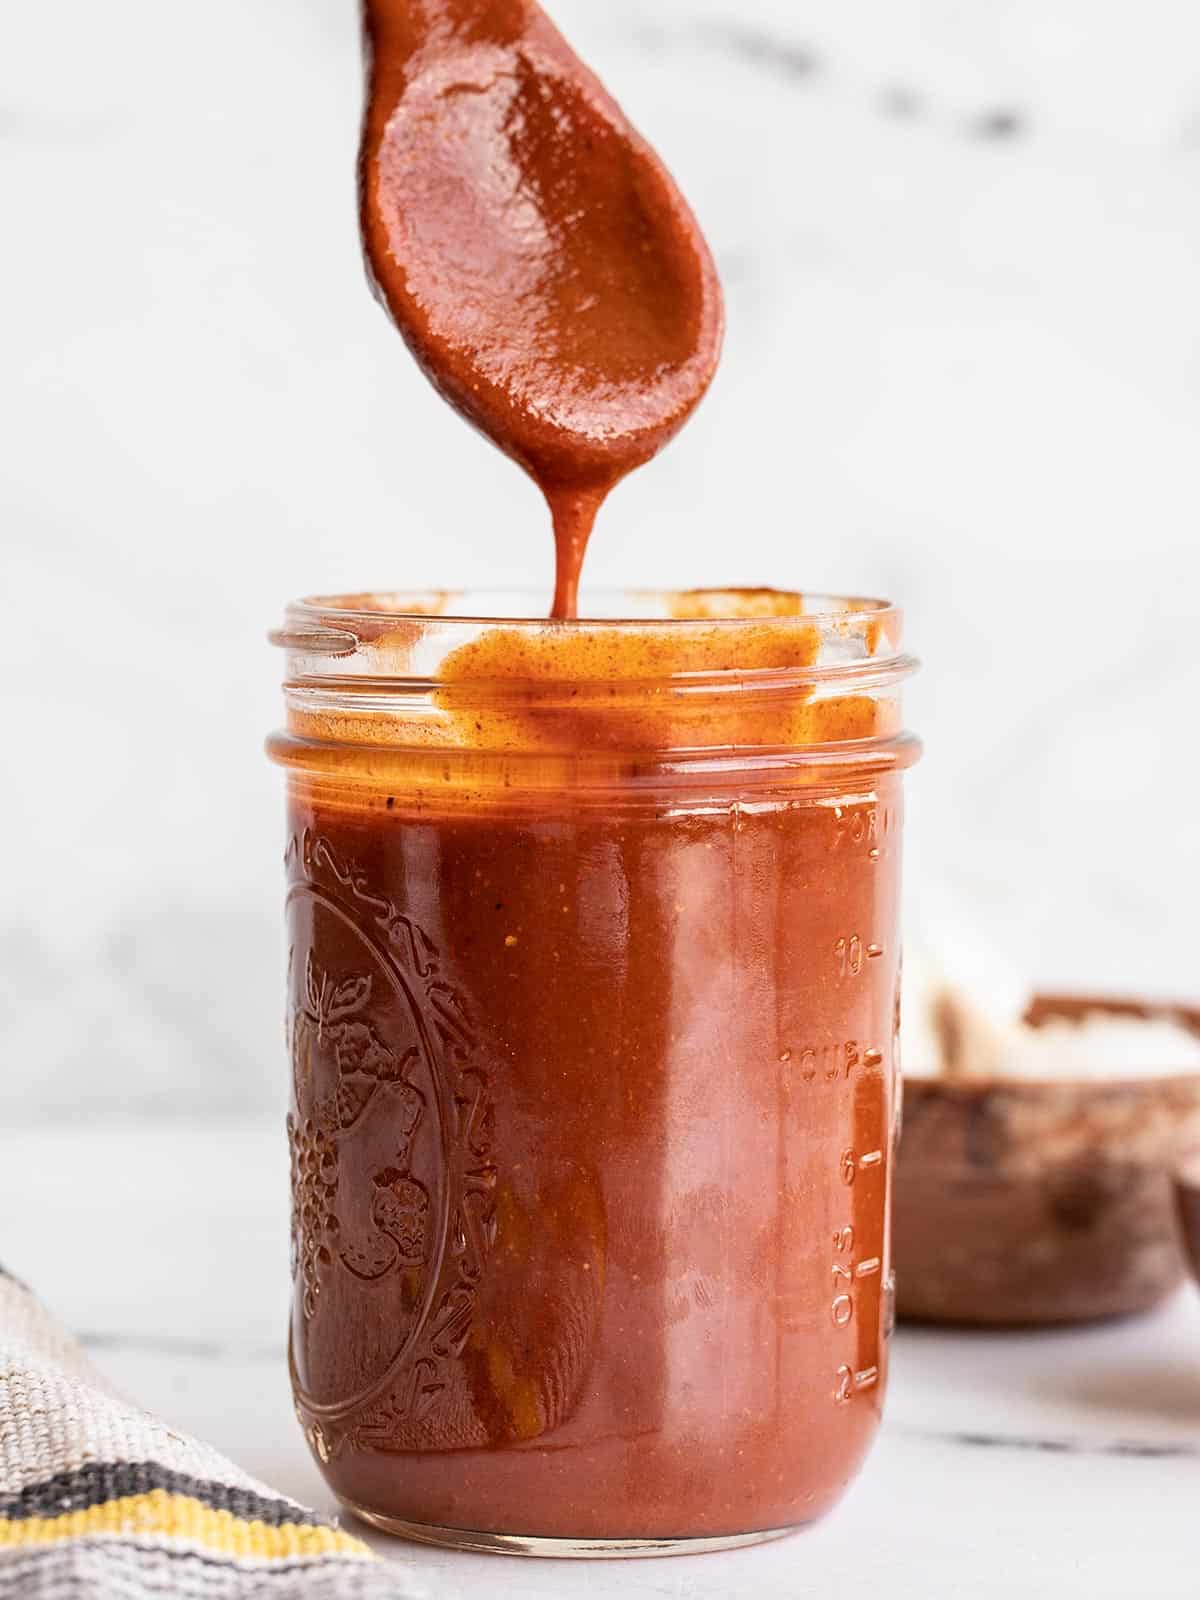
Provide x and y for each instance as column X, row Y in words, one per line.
column 593, row 977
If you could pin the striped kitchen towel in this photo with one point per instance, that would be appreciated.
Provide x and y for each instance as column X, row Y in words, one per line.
column 101, row 1501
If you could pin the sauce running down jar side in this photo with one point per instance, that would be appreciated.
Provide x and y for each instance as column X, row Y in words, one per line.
column 593, row 981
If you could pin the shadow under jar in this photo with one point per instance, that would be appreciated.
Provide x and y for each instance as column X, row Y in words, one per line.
column 592, row 966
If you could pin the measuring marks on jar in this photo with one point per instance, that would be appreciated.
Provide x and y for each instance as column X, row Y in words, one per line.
column 856, row 1273
column 832, row 1062
column 852, row 954
column 865, row 827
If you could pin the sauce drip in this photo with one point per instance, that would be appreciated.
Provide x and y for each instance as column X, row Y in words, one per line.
column 534, row 252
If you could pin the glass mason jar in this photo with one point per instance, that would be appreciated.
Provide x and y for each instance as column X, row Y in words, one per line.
column 593, row 983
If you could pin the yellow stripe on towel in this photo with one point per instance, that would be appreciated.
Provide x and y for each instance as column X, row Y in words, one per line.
column 179, row 1516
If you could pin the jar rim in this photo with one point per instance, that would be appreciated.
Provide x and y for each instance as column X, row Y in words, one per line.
column 328, row 627
column 523, row 608
column 783, row 671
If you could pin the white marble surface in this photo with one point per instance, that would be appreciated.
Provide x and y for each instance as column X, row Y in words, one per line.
column 1046, row 1466
column 960, row 243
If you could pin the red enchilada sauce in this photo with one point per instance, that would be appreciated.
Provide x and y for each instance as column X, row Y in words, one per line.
column 593, row 1090
column 592, row 1056
column 533, row 250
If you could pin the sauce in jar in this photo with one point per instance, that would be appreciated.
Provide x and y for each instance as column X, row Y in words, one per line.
column 593, row 980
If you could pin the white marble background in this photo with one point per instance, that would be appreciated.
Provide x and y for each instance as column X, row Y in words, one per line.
column 961, row 243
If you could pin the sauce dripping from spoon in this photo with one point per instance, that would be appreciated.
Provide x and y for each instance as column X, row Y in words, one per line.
column 533, row 250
